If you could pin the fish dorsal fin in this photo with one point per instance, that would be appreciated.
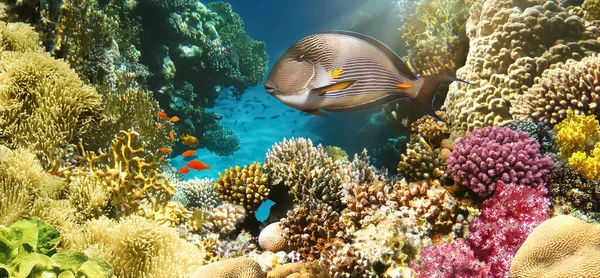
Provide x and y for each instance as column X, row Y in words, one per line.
column 333, row 87
column 398, row 63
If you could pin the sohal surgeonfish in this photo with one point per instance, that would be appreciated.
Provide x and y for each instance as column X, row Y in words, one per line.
column 343, row 71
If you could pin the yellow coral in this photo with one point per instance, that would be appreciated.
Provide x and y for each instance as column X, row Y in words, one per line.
column 577, row 133
column 246, row 186
column 588, row 166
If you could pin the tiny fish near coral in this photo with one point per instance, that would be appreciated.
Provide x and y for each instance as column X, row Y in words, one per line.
column 174, row 119
column 184, row 170
column 165, row 150
column 189, row 140
column 198, row 165
column 342, row 71
column 172, row 136
column 163, row 115
column 188, row 153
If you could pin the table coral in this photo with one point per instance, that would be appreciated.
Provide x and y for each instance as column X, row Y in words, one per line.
column 307, row 171
column 572, row 85
column 494, row 154
column 506, row 219
column 511, row 43
column 563, row 246
column 246, row 186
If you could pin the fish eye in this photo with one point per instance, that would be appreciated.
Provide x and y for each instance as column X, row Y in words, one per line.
column 269, row 89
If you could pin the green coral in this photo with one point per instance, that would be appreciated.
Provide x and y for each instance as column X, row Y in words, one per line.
column 28, row 249
column 336, row 153
column 222, row 141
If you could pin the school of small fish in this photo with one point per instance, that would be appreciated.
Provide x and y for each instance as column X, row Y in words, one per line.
column 185, row 139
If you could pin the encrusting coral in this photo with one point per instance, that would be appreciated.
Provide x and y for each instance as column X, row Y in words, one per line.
column 494, row 154
column 561, row 247
column 43, row 103
column 299, row 270
column 246, row 186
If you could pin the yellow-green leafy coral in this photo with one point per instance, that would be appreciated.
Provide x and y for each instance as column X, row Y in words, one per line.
column 578, row 139
column 43, row 103
column 134, row 182
column 246, row 186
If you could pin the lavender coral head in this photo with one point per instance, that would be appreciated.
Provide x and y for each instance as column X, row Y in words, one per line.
column 494, row 154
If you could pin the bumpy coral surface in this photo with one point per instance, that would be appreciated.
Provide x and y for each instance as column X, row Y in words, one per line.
column 271, row 238
column 567, row 86
column 569, row 190
column 307, row 170
column 246, row 186
column 562, row 246
column 231, row 268
column 494, row 154
column 197, row 193
column 506, row 220
column 225, row 218
column 421, row 161
column 432, row 130
column 449, row 261
column 511, row 42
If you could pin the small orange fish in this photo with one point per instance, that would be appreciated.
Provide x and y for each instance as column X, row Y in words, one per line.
column 158, row 126
column 188, row 153
column 162, row 157
column 189, row 140
column 174, row 119
column 163, row 115
column 172, row 136
column 165, row 150
column 198, row 165
column 184, row 170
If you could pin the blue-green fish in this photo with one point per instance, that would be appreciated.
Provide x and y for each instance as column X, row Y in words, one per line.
column 342, row 71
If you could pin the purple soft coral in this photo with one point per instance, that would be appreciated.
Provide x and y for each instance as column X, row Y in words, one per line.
column 494, row 154
column 445, row 260
column 506, row 219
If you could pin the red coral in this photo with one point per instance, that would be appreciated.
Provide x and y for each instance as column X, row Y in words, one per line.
column 445, row 260
column 494, row 154
column 506, row 220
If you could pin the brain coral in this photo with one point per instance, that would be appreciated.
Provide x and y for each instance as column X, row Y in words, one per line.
column 511, row 43
column 231, row 268
column 574, row 85
column 560, row 247
column 494, row 154
column 271, row 238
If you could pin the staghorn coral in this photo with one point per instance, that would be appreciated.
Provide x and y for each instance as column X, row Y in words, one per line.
column 432, row 203
column 222, row 141
column 562, row 246
column 43, row 103
column 569, row 191
column 498, row 154
column 566, row 86
column 307, row 170
column 231, row 268
column 421, row 161
column 138, row 247
column 134, row 182
column 246, row 186
column 449, row 260
column 511, row 42
column 310, row 230
column 506, row 219
column 271, row 238
column 197, row 193
column 225, row 218
column 432, row 130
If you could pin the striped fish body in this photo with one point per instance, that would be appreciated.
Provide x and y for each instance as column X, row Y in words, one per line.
column 344, row 71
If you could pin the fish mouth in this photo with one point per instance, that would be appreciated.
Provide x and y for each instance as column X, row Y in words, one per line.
column 270, row 87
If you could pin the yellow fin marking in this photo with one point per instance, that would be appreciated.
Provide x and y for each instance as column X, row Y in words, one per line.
column 403, row 86
column 335, row 87
column 333, row 74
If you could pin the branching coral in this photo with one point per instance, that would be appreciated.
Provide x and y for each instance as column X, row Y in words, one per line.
column 432, row 130
column 222, row 141
column 225, row 218
column 498, row 154
column 307, row 170
column 197, row 193
column 506, row 220
column 43, row 103
column 133, row 181
column 566, row 86
column 246, row 186
column 421, row 161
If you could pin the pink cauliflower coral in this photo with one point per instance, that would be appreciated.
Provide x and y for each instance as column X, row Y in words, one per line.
column 445, row 260
column 506, row 219
column 494, row 154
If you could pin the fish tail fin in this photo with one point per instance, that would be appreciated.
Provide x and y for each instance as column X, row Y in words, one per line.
column 426, row 96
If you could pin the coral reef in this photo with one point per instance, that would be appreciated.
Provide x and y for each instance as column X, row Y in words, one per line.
column 578, row 138
column 511, row 42
column 494, row 154
column 271, row 238
column 299, row 270
column 231, row 268
column 566, row 86
column 562, row 246
column 43, row 103
column 307, row 170
column 432, row 130
column 569, row 191
column 225, row 218
column 90, row 198
column 197, row 193
column 246, row 186
column 222, row 141
column 421, row 161
column 506, row 219
column 448, row 261
column 541, row 132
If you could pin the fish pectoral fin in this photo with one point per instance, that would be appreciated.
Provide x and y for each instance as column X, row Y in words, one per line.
column 316, row 112
column 333, row 87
